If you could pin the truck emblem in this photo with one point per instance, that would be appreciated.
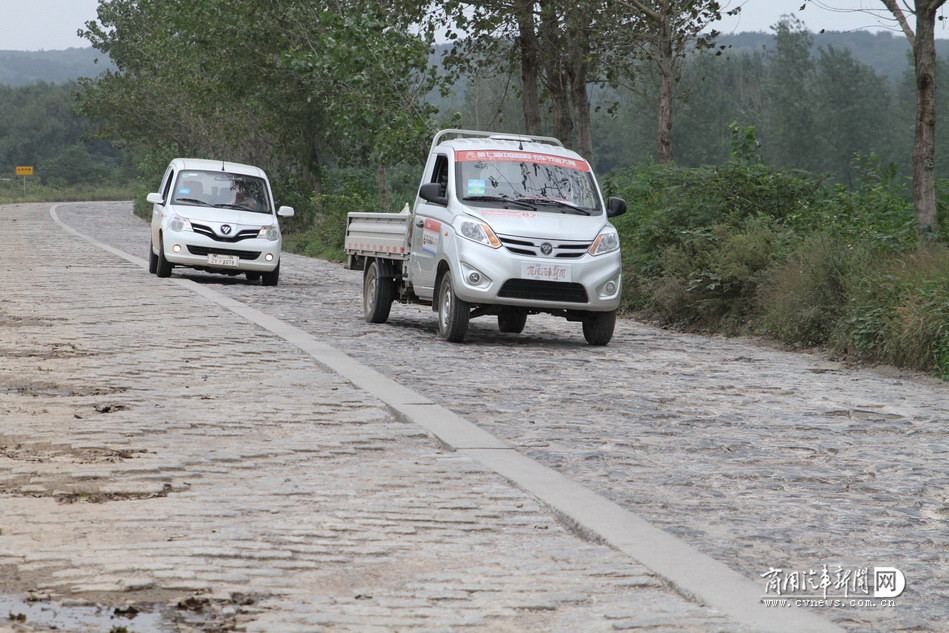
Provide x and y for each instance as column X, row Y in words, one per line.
column 226, row 229
column 546, row 248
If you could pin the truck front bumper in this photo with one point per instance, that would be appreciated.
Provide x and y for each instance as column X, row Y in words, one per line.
column 504, row 278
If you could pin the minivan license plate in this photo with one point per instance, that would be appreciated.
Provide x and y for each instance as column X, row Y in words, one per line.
column 223, row 260
column 545, row 272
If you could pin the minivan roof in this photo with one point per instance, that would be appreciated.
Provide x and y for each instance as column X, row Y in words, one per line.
column 203, row 164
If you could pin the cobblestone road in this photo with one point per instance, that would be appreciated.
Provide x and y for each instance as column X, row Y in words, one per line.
column 759, row 457
column 156, row 449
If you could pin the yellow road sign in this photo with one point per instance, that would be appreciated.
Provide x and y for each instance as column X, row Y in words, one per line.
column 24, row 171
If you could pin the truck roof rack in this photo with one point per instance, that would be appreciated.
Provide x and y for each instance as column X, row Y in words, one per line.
column 495, row 135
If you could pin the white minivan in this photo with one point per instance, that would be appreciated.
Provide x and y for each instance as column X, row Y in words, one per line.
column 217, row 217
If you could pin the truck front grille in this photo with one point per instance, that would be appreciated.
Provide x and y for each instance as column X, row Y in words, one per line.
column 205, row 250
column 537, row 290
column 530, row 247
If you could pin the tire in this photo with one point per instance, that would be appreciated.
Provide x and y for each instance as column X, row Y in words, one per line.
column 378, row 293
column 453, row 313
column 253, row 276
column 152, row 258
column 271, row 278
column 512, row 319
column 598, row 327
column 162, row 266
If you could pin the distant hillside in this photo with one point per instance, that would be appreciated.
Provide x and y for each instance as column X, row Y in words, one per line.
column 18, row 68
column 887, row 53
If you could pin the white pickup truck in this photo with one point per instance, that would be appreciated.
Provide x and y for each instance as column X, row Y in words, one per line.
column 505, row 225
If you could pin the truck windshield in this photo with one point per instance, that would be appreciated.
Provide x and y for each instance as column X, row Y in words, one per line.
column 221, row 190
column 550, row 183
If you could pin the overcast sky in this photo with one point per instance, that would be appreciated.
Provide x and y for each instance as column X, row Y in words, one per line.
column 29, row 25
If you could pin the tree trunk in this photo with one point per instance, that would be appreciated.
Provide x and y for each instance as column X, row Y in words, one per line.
column 558, row 84
column 666, row 65
column 578, row 48
column 924, row 146
column 530, row 62
column 384, row 187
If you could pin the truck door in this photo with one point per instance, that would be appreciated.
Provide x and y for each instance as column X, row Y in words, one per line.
column 427, row 232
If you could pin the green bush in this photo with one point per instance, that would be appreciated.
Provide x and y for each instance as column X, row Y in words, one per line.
column 747, row 248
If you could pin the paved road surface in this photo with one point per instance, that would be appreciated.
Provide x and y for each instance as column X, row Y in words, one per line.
column 760, row 458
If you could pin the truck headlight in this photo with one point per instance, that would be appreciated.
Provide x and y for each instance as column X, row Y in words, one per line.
column 606, row 242
column 478, row 232
column 178, row 224
column 270, row 232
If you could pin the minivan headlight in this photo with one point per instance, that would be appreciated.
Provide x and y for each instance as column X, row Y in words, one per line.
column 178, row 224
column 478, row 232
column 270, row 232
column 606, row 242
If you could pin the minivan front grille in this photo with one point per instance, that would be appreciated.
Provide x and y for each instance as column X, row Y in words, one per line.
column 244, row 234
column 205, row 250
column 531, row 247
column 537, row 290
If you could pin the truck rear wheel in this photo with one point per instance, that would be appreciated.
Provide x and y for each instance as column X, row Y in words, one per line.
column 512, row 319
column 598, row 327
column 377, row 295
column 453, row 313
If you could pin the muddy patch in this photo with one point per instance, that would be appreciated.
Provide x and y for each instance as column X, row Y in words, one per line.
column 37, row 388
column 11, row 449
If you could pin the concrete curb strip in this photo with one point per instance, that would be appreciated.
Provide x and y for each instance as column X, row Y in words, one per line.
column 688, row 570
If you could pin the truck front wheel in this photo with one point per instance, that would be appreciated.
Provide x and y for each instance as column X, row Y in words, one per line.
column 453, row 313
column 377, row 295
column 598, row 327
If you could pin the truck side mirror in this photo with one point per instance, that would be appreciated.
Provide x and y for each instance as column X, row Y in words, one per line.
column 285, row 212
column 430, row 193
column 615, row 207
column 154, row 198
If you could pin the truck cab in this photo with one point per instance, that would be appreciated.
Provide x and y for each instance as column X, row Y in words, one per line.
column 505, row 225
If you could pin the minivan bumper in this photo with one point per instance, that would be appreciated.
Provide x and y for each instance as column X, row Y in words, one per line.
column 194, row 249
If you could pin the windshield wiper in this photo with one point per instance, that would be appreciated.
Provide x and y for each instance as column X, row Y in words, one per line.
column 225, row 205
column 201, row 202
column 522, row 203
column 559, row 203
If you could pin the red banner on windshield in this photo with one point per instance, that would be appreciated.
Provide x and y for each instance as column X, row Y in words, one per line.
column 471, row 156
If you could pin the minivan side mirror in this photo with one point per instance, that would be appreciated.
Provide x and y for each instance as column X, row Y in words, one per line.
column 154, row 198
column 615, row 207
column 430, row 193
column 285, row 212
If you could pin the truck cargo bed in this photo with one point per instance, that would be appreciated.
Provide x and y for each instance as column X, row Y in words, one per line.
column 378, row 235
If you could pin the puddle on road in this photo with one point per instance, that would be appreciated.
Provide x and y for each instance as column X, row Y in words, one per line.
column 50, row 615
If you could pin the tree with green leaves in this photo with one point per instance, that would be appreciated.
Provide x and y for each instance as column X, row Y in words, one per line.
column 922, row 40
column 662, row 33
column 291, row 86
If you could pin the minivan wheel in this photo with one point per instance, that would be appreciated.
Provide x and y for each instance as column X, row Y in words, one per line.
column 271, row 278
column 163, row 266
column 377, row 295
column 453, row 313
column 598, row 327
column 512, row 319
column 152, row 258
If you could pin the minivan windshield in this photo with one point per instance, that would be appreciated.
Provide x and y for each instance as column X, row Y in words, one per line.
column 542, row 182
column 221, row 190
